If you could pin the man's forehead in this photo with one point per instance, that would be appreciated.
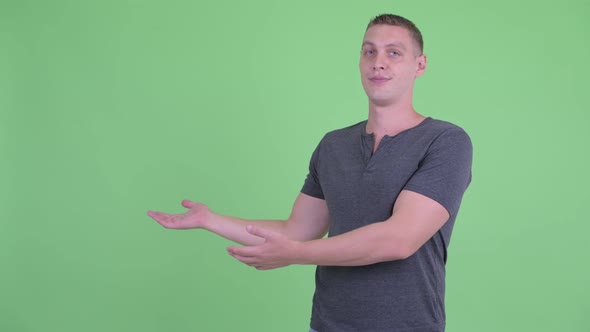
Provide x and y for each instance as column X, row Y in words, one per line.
column 393, row 44
column 383, row 34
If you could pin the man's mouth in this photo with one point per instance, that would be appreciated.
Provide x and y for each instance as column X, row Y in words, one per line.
column 379, row 79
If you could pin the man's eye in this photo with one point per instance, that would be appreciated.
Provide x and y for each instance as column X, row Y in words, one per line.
column 369, row 52
column 395, row 53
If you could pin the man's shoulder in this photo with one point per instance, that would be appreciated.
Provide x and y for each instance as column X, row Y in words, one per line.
column 441, row 125
column 346, row 132
column 431, row 130
column 442, row 135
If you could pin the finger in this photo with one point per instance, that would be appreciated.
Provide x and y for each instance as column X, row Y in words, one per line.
column 158, row 216
column 164, row 219
column 260, row 232
column 250, row 261
column 188, row 204
column 242, row 251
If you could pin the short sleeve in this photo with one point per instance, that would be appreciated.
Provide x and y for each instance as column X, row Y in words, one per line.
column 312, row 185
column 445, row 171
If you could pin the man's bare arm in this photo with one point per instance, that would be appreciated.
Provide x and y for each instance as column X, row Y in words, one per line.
column 415, row 219
column 308, row 220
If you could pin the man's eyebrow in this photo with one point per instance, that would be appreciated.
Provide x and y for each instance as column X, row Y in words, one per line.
column 388, row 45
column 402, row 46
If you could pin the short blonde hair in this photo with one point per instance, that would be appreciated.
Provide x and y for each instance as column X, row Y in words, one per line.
column 396, row 20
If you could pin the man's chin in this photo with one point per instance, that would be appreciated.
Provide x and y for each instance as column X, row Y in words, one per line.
column 381, row 101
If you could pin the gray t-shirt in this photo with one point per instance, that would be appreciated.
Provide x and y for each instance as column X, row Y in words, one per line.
column 360, row 188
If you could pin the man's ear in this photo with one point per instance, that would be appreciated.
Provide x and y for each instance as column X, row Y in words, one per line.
column 421, row 62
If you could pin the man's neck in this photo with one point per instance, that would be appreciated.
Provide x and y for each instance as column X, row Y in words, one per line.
column 392, row 119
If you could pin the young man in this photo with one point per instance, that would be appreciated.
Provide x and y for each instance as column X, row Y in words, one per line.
column 386, row 190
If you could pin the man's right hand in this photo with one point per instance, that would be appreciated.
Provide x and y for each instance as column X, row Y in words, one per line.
column 309, row 220
column 196, row 217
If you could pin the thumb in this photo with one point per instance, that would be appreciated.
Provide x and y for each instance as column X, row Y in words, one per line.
column 188, row 204
column 260, row 232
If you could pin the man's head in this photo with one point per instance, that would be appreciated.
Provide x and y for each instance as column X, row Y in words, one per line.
column 391, row 60
column 398, row 21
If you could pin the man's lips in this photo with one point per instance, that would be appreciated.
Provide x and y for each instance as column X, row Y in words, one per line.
column 379, row 79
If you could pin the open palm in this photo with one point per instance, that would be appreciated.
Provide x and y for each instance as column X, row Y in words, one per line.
column 195, row 217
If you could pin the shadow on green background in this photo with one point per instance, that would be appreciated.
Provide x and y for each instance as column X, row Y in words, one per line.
column 111, row 108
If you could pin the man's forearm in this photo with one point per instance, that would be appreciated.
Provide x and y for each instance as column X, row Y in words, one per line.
column 366, row 245
column 415, row 219
column 234, row 229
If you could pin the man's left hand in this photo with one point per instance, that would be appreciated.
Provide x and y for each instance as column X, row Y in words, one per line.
column 276, row 251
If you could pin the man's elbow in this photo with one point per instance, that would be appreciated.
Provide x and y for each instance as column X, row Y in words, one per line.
column 399, row 252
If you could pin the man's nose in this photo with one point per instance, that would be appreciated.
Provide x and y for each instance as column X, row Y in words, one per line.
column 379, row 63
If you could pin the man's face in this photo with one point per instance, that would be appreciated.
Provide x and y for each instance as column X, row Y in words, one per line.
column 390, row 62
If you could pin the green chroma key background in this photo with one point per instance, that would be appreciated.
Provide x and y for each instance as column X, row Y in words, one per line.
column 111, row 108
